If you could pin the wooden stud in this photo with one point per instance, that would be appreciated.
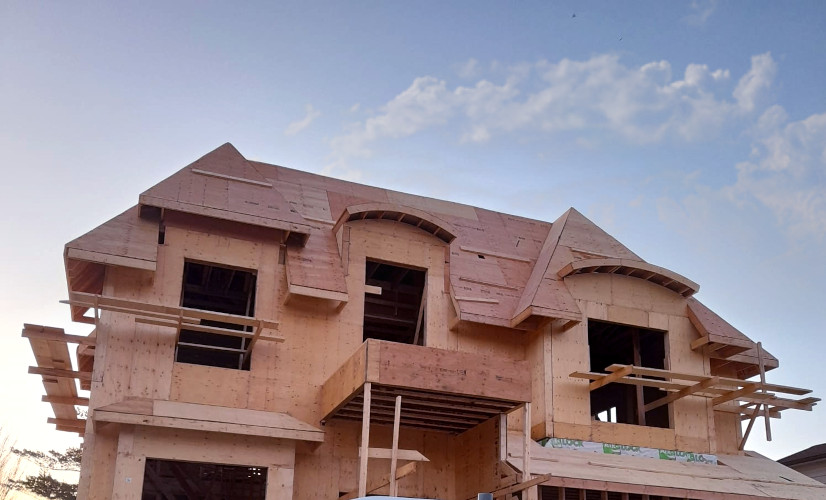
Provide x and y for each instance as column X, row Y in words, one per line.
column 365, row 440
column 395, row 449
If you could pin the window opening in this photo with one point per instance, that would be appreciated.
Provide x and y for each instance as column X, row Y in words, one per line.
column 168, row 479
column 397, row 313
column 611, row 343
column 220, row 289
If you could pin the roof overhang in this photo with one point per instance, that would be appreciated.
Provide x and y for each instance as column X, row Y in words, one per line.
column 428, row 223
column 636, row 269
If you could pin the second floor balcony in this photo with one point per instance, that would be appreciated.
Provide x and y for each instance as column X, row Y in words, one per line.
column 442, row 390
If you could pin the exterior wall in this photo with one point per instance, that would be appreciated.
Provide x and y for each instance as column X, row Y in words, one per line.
column 137, row 361
column 634, row 302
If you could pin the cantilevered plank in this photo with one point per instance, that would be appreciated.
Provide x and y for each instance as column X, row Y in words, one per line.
column 611, row 377
column 55, row 335
column 705, row 384
column 58, row 373
column 385, row 453
column 744, row 391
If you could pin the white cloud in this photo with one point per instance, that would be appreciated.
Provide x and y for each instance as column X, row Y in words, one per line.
column 701, row 11
column 297, row 126
column 468, row 69
column 641, row 104
column 756, row 82
column 787, row 173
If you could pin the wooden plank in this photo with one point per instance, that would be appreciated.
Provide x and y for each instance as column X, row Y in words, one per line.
column 403, row 471
column 58, row 373
column 70, row 423
column 65, row 400
column 230, row 177
column 394, row 451
column 203, row 425
column 386, row 454
column 365, row 440
column 762, row 368
column 372, row 289
column 209, row 329
column 142, row 308
column 745, row 391
column 705, row 384
column 55, row 335
column 500, row 493
column 607, row 379
column 492, row 253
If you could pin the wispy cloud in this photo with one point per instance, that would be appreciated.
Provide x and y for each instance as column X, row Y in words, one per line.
column 701, row 11
column 787, row 172
column 299, row 125
column 640, row 105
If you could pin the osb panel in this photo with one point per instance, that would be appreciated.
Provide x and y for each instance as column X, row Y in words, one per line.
column 209, row 385
column 571, row 400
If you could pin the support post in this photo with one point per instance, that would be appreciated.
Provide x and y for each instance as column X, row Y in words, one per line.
column 394, row 452
column 530, row 493
column 763, row 385
column 365, row 440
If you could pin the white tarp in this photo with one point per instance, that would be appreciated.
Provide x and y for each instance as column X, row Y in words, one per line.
column 634, row 451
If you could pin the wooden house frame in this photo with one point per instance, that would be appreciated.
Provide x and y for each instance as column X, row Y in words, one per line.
column 283, row 335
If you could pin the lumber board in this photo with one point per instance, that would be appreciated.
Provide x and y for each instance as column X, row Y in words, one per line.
column 209, row 426
column 386, row 454
column 373, row 486
column 65, row 400
column 55, row 335
column 59, row 373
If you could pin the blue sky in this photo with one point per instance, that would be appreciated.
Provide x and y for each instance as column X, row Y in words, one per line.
column 694, row 132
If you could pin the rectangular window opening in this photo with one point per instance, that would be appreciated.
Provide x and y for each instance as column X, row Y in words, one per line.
column 397, row 314
column 219, row 289
column 611, row 343
column 164, row 479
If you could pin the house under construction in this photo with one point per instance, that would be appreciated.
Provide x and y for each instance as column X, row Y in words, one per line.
column 258, row 332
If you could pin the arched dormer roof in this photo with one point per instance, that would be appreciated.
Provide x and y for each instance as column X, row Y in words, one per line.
column 398, row 213
column 637, row 269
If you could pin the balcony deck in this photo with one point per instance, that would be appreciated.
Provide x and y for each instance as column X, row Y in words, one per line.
column 441, row 390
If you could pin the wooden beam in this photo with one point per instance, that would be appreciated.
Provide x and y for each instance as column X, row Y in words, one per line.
column 762, row 384
column 403, row 471
column 386, row 453
column 611, row 377
column 521, row 486
column 635, row 341
column 394, row 451
column 745, row 391
column 748, row 427
column 68, row 422
column 65, row 400
column 42, row 333
column 58, row 373
column 682, row 393
column 365, row 440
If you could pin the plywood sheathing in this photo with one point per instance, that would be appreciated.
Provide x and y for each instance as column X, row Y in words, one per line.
column 178, row 415
column 718, row 338
column 224, row 185
column 315, row 270
column 125, row 240
column 734, row 478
